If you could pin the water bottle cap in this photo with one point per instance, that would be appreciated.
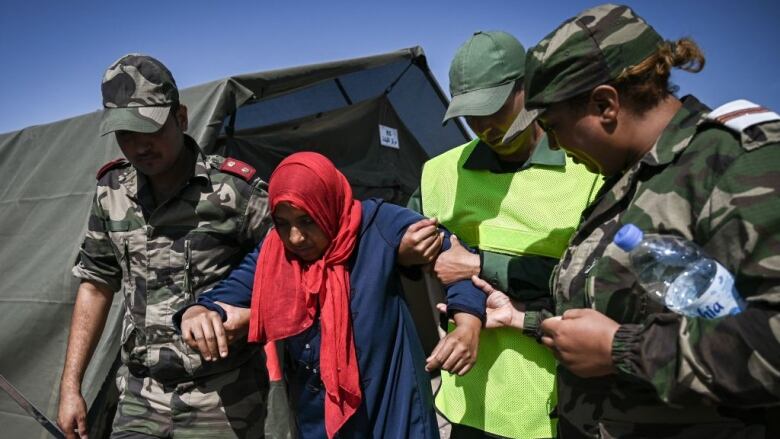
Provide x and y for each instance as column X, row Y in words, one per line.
column 628, row 237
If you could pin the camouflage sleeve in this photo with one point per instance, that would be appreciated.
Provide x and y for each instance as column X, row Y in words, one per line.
column 532, row 323
column 97, row 260
column 257, row 217
column 415, row 202
column 524, row 277
column 733, row 360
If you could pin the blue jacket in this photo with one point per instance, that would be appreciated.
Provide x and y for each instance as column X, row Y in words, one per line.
column 397, row 399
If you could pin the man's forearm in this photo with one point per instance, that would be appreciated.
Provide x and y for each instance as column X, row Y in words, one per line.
column 89, row 317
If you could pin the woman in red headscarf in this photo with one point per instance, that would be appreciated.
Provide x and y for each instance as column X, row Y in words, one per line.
column 326, row 281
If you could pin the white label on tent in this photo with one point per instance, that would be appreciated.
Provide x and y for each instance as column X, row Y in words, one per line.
column 388, row 137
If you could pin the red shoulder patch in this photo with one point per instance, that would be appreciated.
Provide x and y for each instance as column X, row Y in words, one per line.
column 237, row 168
column 109, row 166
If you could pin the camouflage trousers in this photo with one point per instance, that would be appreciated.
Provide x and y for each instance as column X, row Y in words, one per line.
column 226, row 405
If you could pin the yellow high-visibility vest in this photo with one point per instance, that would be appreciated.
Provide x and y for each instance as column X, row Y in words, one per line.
column 511, row 389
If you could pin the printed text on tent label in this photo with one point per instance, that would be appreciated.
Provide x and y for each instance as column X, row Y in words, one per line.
column 388, row 137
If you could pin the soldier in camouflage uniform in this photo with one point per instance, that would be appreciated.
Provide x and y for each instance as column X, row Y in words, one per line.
column 630, row 367
column 166, row 224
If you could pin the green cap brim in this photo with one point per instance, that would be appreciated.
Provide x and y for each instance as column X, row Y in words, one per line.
column 482, row 102
column 522, row 121
column 136, row 119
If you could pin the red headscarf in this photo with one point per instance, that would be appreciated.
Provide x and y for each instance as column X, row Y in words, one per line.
column 287, row 292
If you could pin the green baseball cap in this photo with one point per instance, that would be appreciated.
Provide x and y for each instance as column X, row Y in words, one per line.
column 138, row 92
column 483, row 73
column 584, row 52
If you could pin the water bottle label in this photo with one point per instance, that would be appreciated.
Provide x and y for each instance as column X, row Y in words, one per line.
column 718, row 300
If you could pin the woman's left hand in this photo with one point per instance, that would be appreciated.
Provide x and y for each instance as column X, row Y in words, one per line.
column 457, row 351
column 582, row 341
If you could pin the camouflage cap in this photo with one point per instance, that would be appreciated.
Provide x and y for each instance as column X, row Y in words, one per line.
column 483, row 73
column 138, row 92
column 585, row 51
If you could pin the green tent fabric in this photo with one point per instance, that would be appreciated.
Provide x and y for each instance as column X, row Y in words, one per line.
column 350, row 136
column 47, row 182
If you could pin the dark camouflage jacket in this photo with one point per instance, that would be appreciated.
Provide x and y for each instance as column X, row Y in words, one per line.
column 163, row 258
column 680, row 376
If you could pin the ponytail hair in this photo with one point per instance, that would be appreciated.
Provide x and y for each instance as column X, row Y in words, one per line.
column 646, row 84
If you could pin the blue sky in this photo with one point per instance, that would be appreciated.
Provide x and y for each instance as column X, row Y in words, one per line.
column 54, row 52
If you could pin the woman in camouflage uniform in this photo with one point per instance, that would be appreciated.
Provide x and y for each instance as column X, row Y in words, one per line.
column 630, row 367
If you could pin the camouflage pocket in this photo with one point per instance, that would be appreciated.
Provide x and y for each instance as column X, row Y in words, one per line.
column 126, row 243
column 182, row 270
column 121, row 244
column 127, row 330
column 121, row 378
column 614, row 289
column 191, row 359
column 188, row 270
column 584, row 259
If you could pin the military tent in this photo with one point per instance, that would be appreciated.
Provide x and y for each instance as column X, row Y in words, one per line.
column 378, row 118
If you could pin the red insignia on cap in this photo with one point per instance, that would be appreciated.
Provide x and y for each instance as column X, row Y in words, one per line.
column 109, row 166
column 237, row 168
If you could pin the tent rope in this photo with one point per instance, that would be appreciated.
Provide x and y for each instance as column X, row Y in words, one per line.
column 343, row 91
column 392, row 84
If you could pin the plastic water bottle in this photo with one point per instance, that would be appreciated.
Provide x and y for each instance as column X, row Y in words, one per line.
column 675, row 272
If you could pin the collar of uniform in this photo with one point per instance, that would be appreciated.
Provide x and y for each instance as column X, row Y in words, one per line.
column 201, row 166
column 482, row 158
column 678, row 133
column 133, row 180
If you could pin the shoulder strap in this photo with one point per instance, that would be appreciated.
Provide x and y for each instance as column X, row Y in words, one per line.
column 113, row 164
column 238, row 168
column 741, row 114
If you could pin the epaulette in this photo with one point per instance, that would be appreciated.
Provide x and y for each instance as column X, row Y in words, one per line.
column 238, row 168
column 743, row 117
column 741, row 114
column 113, row 164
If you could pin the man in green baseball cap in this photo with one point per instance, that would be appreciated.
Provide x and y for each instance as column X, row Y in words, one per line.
column 516, row 203
column 484, row 73
column 486, row 87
